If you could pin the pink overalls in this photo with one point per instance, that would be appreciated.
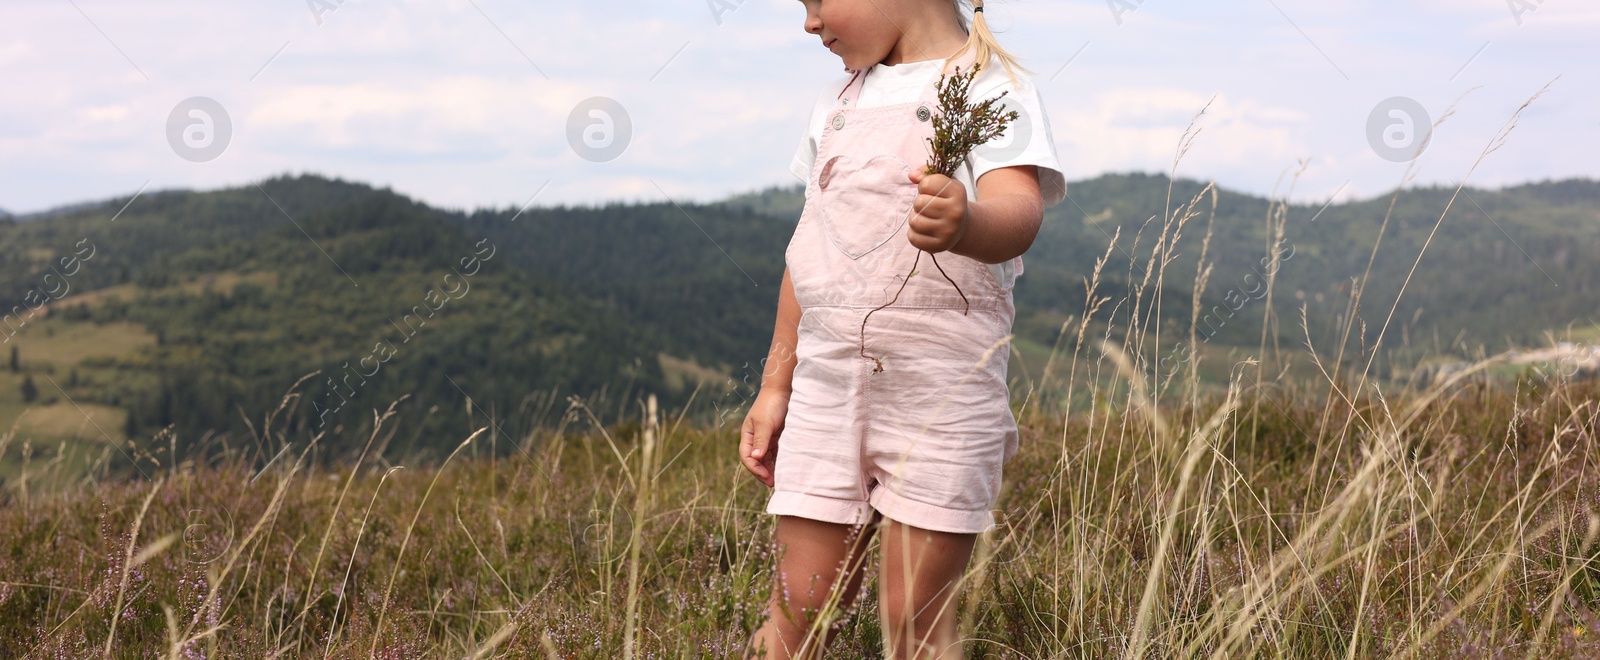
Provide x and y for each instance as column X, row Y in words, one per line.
column 923, row 440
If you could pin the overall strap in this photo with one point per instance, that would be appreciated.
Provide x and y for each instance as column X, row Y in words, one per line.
column 852, row 89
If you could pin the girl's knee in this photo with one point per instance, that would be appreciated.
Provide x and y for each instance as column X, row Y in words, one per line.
column 919, row 609
column 801, row 596
column 921, row 573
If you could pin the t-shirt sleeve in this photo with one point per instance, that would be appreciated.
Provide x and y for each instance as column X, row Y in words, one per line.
column 1027, row 140
column 805, row 154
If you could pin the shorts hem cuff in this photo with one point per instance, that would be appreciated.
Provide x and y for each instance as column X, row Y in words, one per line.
column 928, row 516
column 817, row 507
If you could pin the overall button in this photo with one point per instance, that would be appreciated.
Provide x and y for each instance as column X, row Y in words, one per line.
column 838, row 122
column 923, row 113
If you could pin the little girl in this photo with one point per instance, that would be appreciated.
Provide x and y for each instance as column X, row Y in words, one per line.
column 902, row 424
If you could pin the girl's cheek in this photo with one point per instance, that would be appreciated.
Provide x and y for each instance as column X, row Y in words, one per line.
column 837, row 21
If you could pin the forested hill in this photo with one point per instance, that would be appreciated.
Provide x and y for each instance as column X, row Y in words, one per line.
column 192, row 307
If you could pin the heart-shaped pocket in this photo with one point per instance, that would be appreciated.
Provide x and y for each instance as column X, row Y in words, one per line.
column 864, row 205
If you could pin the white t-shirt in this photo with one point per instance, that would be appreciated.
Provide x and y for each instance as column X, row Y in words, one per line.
column 1027, row 141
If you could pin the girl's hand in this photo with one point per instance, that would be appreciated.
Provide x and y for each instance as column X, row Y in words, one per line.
column 758, row 443
column 939, row 215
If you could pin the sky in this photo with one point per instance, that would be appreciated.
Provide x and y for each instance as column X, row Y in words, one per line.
column 470, row 104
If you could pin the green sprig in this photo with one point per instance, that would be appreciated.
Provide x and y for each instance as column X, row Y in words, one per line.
column 960, row 125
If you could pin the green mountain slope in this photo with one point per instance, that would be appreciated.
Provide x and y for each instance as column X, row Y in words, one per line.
column 192, row 306
column 376, row 291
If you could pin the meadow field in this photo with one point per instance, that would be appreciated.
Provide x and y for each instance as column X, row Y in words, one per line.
column 1452, row 519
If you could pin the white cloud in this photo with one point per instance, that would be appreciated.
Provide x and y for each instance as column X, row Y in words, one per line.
column 16, row 52
column 1140, row 128
column 104, row 113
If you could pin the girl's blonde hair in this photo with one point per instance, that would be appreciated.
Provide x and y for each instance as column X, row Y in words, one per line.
column 981, row 40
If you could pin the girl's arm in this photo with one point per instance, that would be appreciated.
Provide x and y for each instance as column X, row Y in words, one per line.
column 1005, row 219
column 758, row 437
column 778, row 376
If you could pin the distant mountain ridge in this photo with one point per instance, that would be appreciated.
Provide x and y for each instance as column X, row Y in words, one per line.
column 245, row 289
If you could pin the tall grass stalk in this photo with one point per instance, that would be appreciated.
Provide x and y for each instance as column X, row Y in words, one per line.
column 387, row 591
column 641, row 507
column 128, row 564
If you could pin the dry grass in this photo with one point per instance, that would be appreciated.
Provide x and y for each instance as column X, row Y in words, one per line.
column 1447, row 523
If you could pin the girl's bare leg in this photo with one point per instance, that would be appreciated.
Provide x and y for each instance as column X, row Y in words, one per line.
column 811, row 554
column 916, row 590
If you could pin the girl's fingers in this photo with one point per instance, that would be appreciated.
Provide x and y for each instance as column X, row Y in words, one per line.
column 761, row 457
column 769, row 456
column 758, row 469
column 752, row 440
column 746, row 441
